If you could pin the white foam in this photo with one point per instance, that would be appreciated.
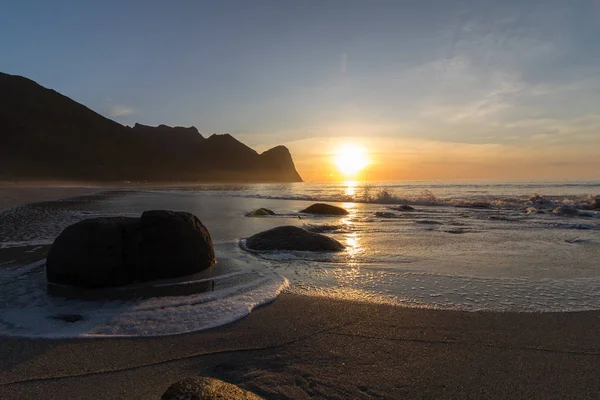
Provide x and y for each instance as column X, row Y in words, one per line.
column 27, row 310
column 452, row 292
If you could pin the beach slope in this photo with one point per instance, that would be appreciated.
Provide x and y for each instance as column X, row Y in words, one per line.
column 302, row 347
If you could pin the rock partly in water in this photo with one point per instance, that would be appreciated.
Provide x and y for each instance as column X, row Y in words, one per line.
column 260, row 212
column 566, row 211
column 202, row 388
column 538, row 202
column 403, row 207
column 108, row 252
column 324, row 209
column 292, row 238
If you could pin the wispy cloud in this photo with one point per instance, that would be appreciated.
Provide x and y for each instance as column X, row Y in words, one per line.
column 120, row 110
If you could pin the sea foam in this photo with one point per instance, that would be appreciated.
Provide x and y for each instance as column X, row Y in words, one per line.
column 27, row 310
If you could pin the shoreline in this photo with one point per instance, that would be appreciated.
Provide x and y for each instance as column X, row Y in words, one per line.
column 299, row 347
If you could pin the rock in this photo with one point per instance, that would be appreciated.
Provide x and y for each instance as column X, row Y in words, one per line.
column 403, row 207
column 596, row 203
column 324, row 209
column 108, row 252
column 538, row 201
column 455, row 231
column 532, row 210
column 474, row 204
column 174, row 244
column 260, row 212
column 202, row 388
column 292, row 238
column 382, row 214
column 566, row 211
column 428, row 222
column 68, row 317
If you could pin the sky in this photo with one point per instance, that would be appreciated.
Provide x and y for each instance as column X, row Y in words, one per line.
column 428, row 89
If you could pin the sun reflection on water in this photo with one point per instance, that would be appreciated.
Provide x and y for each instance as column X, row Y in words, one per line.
column 350, row 189
column 353, row 244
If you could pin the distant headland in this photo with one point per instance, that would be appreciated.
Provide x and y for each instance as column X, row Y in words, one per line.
column 47, row 136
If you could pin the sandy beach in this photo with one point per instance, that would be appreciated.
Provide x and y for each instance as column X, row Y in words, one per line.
column 301, row 347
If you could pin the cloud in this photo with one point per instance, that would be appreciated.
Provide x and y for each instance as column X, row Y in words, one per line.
column 120, row 110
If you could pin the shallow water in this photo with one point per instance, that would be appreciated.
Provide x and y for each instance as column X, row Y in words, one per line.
column 439, row 256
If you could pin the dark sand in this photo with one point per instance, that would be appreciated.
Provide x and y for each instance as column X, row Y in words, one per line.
column 301, row 347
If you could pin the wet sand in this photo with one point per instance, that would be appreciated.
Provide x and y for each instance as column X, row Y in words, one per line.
column 14, row 195
column 301, row 347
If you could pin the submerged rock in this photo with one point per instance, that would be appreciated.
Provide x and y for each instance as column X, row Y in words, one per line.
column 108, row 252
column 475, row 204
column 68, row 317
column 203, row 388
column 428, row 222
column 260, row 212
column 292, row 238
column 325, row 209
column 533, row 210
column 403, row 207
column 382, row 214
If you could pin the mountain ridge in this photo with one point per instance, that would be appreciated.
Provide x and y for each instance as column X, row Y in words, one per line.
column 46, row 135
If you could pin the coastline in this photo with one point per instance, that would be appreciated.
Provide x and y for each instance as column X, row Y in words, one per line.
column 308, row 347
column 303, row 347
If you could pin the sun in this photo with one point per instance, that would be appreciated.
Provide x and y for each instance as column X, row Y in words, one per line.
column 350, row 159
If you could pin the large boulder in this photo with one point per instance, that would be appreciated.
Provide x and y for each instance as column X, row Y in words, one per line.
column 107, row 252
column 260, row 212
column 202, row 388
column 325, row 209
column 292, row 238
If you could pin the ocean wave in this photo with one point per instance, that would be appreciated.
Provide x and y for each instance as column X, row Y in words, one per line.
column 392, row 195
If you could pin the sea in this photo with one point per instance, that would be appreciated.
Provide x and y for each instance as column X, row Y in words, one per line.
column 466, row 245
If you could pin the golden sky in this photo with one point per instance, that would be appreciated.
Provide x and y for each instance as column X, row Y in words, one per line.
column 390, row 158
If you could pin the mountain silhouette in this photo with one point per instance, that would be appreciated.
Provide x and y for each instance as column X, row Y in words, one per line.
column 47, row 136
